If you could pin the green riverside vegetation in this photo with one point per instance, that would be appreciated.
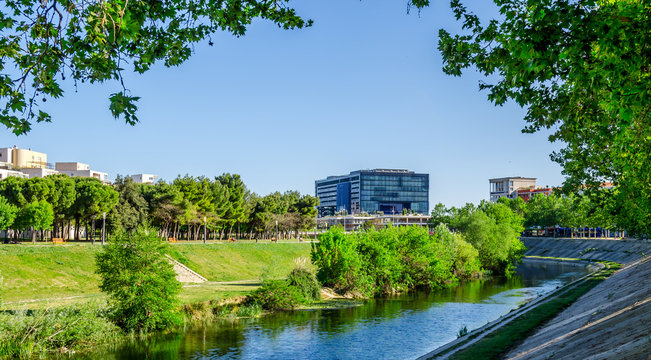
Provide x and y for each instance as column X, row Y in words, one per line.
column 392, row 260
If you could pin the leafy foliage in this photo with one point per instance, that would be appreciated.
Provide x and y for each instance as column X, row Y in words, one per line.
column 140, row 281
column 45, row 43
column 277, row 295
column 581, row 69
column 492, row 228
column 7, row 214
column 392, row 260
column 306, row 282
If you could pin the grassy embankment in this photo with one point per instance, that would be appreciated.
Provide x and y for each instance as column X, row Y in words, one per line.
column 494, row 345
column 44, row 275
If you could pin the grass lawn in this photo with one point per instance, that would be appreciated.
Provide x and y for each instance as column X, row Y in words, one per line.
column 240, row 261
column 55, row 275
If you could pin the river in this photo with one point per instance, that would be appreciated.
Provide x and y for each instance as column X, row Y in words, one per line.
column 400, row 327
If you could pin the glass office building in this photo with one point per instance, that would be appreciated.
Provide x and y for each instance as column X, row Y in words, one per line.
column 388, row 191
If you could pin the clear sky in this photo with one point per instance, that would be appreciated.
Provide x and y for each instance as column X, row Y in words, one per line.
column 361, row 89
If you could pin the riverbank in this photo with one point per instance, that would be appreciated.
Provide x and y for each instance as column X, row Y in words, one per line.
column 605, row 315
column 496, row 337
column 43, row 276
column 612, row 321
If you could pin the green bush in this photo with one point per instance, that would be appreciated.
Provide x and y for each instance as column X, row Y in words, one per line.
column 306, row 283
column 338, row 262
column 277, row 295
column 393, row 260
column 140, row 281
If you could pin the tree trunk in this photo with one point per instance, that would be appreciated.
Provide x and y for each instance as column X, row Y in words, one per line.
column 77, row 228
column 33, row 235
column 92, row 236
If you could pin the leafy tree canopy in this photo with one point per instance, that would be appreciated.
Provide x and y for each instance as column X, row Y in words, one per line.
column 581, row 69
column 44, row 43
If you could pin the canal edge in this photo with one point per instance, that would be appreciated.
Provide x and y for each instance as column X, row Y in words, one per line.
column 445, row 351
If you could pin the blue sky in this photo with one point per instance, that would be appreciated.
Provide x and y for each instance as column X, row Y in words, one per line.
column 361, row 89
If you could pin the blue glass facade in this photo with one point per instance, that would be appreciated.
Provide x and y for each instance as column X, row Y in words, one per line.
column 372, row 191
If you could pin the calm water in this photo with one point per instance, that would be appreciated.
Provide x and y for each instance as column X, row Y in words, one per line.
column 402, row 327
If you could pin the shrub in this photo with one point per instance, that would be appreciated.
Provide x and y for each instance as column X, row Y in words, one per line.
column 338, row 262
column 306, row 283
column 277, row 295
column 140, row 281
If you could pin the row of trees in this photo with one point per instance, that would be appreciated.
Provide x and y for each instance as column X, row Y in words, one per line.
column 541, row 211
column 52, row 203
column 180, row 209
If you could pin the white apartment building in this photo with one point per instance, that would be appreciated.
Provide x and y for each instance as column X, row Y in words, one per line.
column 144, row 178
column 38, row 172
column 5, row 173
column 507, row 186
column 81, row 170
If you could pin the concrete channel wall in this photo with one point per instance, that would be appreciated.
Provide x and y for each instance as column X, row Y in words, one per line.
column 620, row 251
column 611, row 321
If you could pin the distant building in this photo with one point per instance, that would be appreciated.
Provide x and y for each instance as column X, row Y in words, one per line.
column 81, row 170
column 357, row 222
column 5, row 173
column 38, row 172
column 144, row 178
column 389, row 191
column 527, row 193
column 506, row 187
column 23, row 158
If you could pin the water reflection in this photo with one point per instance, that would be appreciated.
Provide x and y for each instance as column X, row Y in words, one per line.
column 400, row 327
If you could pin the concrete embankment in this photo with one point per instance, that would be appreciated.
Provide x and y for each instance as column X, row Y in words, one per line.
column 619, row 251
column 611, row 321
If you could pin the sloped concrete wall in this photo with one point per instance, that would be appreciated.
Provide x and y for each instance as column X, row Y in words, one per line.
column 620, row 251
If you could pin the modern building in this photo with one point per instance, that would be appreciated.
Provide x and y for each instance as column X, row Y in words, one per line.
column 38, row 172
column 81, row 170
column 23, row 158
column 144, row 178
column 389, row 191
column 507, row 186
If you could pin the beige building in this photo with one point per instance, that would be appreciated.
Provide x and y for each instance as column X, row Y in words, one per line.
column 81, row 170
column 23, row 158
column 507, row 186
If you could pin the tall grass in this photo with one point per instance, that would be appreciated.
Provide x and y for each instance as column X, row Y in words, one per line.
column 27, row 333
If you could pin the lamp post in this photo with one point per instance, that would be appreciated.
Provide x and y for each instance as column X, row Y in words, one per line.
column 205, row 231
column 103, row 228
